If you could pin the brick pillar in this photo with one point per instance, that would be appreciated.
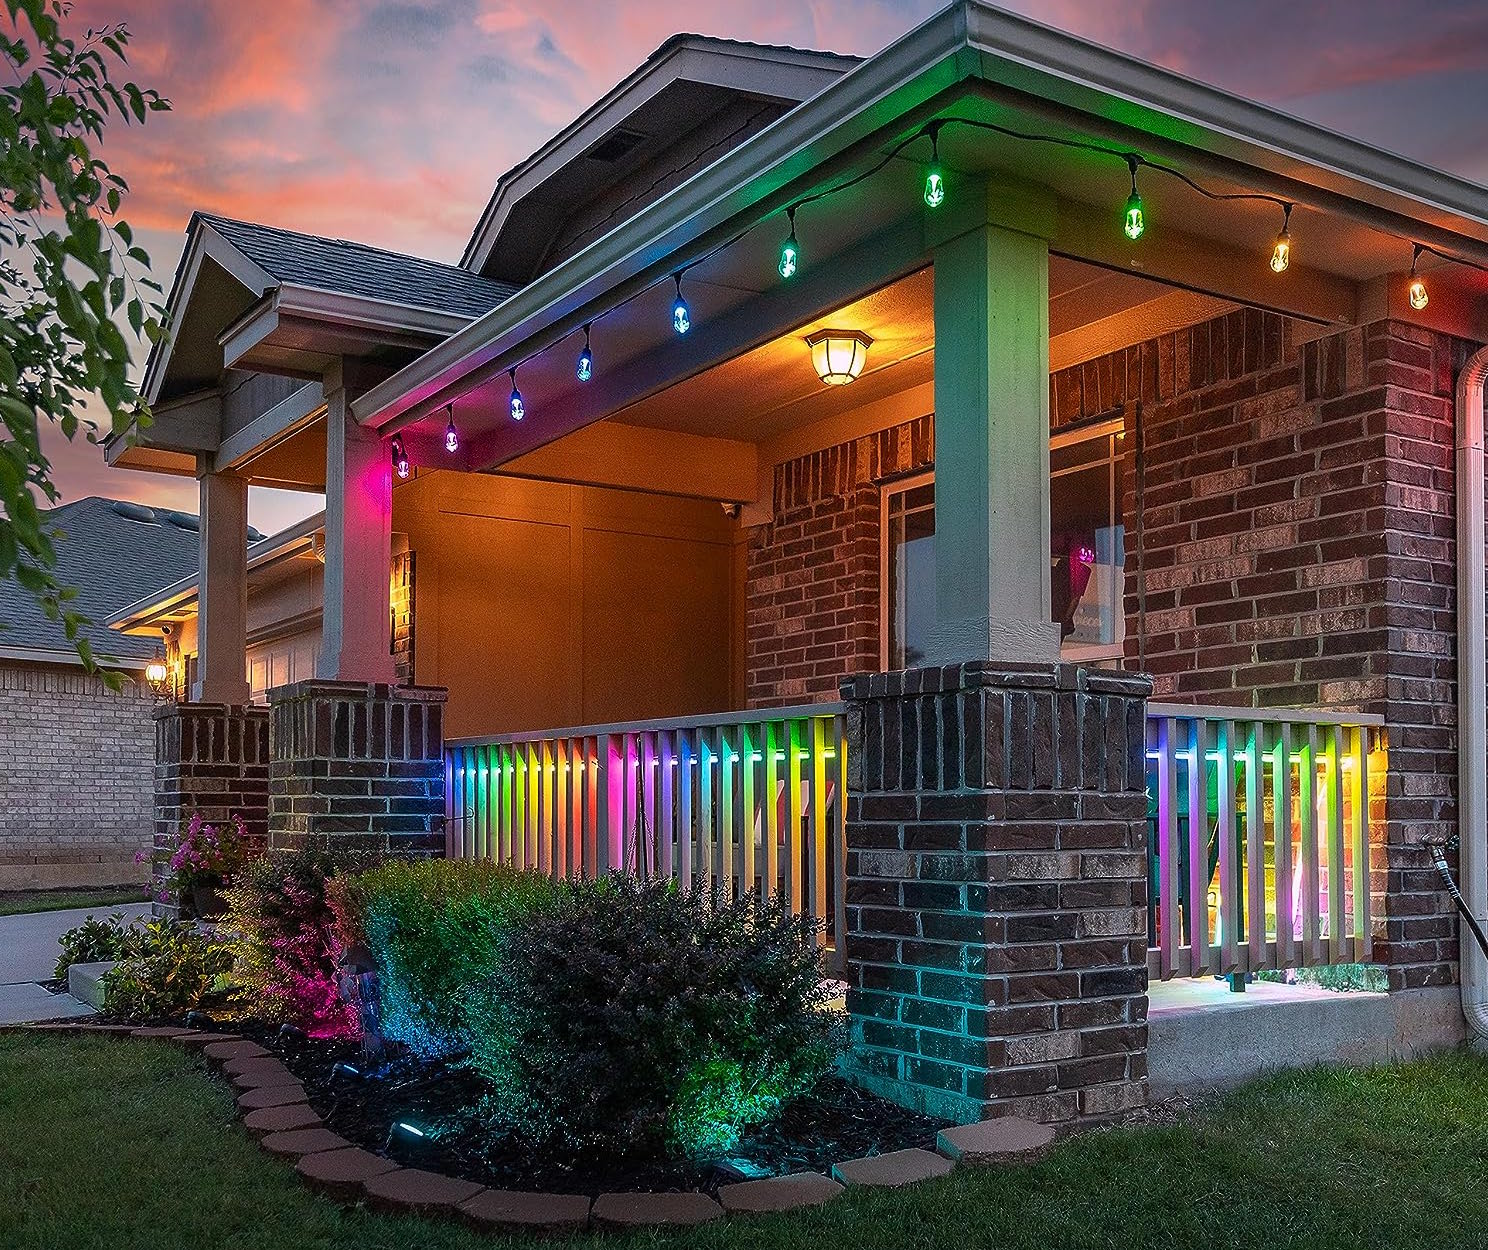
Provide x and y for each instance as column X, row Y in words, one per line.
column 211, row 758
column 997, row 888
column 358, row 766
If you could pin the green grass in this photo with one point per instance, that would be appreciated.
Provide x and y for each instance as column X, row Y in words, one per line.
column 17, row 902
column 113, row 1144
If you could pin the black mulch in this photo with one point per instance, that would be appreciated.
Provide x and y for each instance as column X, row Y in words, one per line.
column 838, row 1121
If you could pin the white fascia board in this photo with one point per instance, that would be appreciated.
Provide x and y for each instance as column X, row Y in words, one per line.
column 688, row 221
column 48, row 655
column 203, row 243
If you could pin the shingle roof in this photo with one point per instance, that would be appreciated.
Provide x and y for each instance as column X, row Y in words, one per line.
column 357, row 269
column 113, row 553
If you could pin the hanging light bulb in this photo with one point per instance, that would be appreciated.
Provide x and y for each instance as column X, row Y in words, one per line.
column 681, row 314
column 1417, row 289
column 1135, row 221
column 1281, row 254
column 451, row 435
column 400, row 457
column 790, row 250
column 934, row 177
column 584, row 370
column 518, row 408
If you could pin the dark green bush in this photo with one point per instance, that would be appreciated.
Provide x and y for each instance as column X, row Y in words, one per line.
column 172, row 970
column 432, row 928
column 97, row 940
column 642, row 1019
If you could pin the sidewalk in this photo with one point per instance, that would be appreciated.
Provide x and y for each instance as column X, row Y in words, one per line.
column 29, row 946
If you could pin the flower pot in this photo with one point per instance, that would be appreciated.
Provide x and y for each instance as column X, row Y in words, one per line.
column 207, row 901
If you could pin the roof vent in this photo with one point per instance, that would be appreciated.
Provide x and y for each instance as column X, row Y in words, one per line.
column 184, row 521
column 137, row 512
column 619, row 142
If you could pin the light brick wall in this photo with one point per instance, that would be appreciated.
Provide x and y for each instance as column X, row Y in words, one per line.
column 77, row 767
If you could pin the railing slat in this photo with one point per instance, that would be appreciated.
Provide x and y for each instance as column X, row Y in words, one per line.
column 1363, row 936
column 686, row 776
column 747, row 824
column 1281, row 800
column 1311, row 858
column 1229, row 908
column 1167, row 843
column 818, row 819
column 1255, row 849
column 1198, row 847
column 1337, row 879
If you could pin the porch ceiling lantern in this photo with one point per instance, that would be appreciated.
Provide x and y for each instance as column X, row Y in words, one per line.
column 839, row 355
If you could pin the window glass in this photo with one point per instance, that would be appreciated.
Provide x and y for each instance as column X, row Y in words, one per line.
column 1087, row 552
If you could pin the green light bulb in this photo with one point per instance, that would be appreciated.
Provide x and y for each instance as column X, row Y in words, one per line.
column 1135, row 223
column 790, row 257
column 934, row 187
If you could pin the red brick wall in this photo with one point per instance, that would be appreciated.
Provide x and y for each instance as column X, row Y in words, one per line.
column 812, row 600
column 401, row 598
column 1298, row 551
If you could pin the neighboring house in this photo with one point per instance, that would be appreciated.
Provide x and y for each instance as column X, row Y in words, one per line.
column 77, row 758
column 877, row 645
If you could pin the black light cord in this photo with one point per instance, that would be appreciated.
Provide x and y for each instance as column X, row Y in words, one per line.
column 1439, row 858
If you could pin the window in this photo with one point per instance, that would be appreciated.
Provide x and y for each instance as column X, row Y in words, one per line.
column 1087, row 552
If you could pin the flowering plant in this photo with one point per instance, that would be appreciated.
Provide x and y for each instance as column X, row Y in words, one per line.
column 208, row 855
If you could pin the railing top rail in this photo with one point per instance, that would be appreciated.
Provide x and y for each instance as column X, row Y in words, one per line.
column 1294, row 716
column 752, row 716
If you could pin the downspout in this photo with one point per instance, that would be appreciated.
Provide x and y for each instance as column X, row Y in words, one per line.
column 1472, row 684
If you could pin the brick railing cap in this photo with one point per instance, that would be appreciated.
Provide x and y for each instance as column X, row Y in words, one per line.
column 980, row 674
column 316, row 687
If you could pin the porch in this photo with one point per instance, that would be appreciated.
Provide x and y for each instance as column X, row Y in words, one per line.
column 992, row 470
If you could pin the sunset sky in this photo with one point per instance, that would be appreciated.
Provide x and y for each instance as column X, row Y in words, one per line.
column 390, row 122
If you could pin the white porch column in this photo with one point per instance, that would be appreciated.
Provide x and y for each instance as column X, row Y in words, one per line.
column 355, row 641
column 992, row 449
column 222, row 569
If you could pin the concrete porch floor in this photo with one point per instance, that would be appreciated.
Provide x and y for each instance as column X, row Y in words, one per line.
column 1202, row 1036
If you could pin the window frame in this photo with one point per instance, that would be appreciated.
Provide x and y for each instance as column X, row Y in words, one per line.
column 1090, row 652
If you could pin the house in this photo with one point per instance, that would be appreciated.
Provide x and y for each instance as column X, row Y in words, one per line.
column 914, row 486
column 76, row 754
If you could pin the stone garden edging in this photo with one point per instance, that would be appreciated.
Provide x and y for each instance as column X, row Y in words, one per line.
column 274, row 1109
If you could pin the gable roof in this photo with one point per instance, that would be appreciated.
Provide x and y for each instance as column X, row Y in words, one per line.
column 340, row 265
column 669, row 96
column 112, row 552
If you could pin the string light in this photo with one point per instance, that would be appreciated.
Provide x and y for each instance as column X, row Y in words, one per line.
column 518, row 408
column 1416, row 291
column 584, row 370
column 1134, row 221
column 681, row 314
column 934, row 177
column 1281, row 254
column 451, row 435
column 400, row 457
column 790, row 250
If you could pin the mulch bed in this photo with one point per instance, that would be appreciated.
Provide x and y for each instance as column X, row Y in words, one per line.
column 837, row 1121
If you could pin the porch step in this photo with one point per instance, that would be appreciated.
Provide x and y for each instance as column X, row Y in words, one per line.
column 84, row 983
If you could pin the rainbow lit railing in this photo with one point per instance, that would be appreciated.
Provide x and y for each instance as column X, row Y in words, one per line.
column 1276, row 872
column 750, row 801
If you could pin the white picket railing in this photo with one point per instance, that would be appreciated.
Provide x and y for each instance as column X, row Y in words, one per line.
column 1275, row 873
column 753, row 802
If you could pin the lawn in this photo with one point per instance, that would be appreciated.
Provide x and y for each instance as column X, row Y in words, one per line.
column 109, row 1144
column 16, row 902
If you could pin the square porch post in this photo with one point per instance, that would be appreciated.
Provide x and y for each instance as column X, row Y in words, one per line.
column 996, row 879
column 222, row 569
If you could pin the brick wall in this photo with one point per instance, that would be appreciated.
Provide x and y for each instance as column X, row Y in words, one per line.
column 76, row 776
column 1298, row 550
column 812, row 603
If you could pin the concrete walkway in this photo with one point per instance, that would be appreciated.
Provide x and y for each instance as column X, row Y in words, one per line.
column 29, row 946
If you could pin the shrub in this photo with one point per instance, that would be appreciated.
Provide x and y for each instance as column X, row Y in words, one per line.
column 287, row 943
column 639, row 1018
column 209, row 855
column 432, row 929
column 96, row 941
column 173, row 970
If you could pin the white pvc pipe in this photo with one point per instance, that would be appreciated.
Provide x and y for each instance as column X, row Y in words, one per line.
column 1472, row 685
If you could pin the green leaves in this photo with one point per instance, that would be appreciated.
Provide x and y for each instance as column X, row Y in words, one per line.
column 72, row 278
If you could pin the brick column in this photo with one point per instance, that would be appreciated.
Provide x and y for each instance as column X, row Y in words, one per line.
column 358, row 766
column 211, row 758
column 996, row 889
